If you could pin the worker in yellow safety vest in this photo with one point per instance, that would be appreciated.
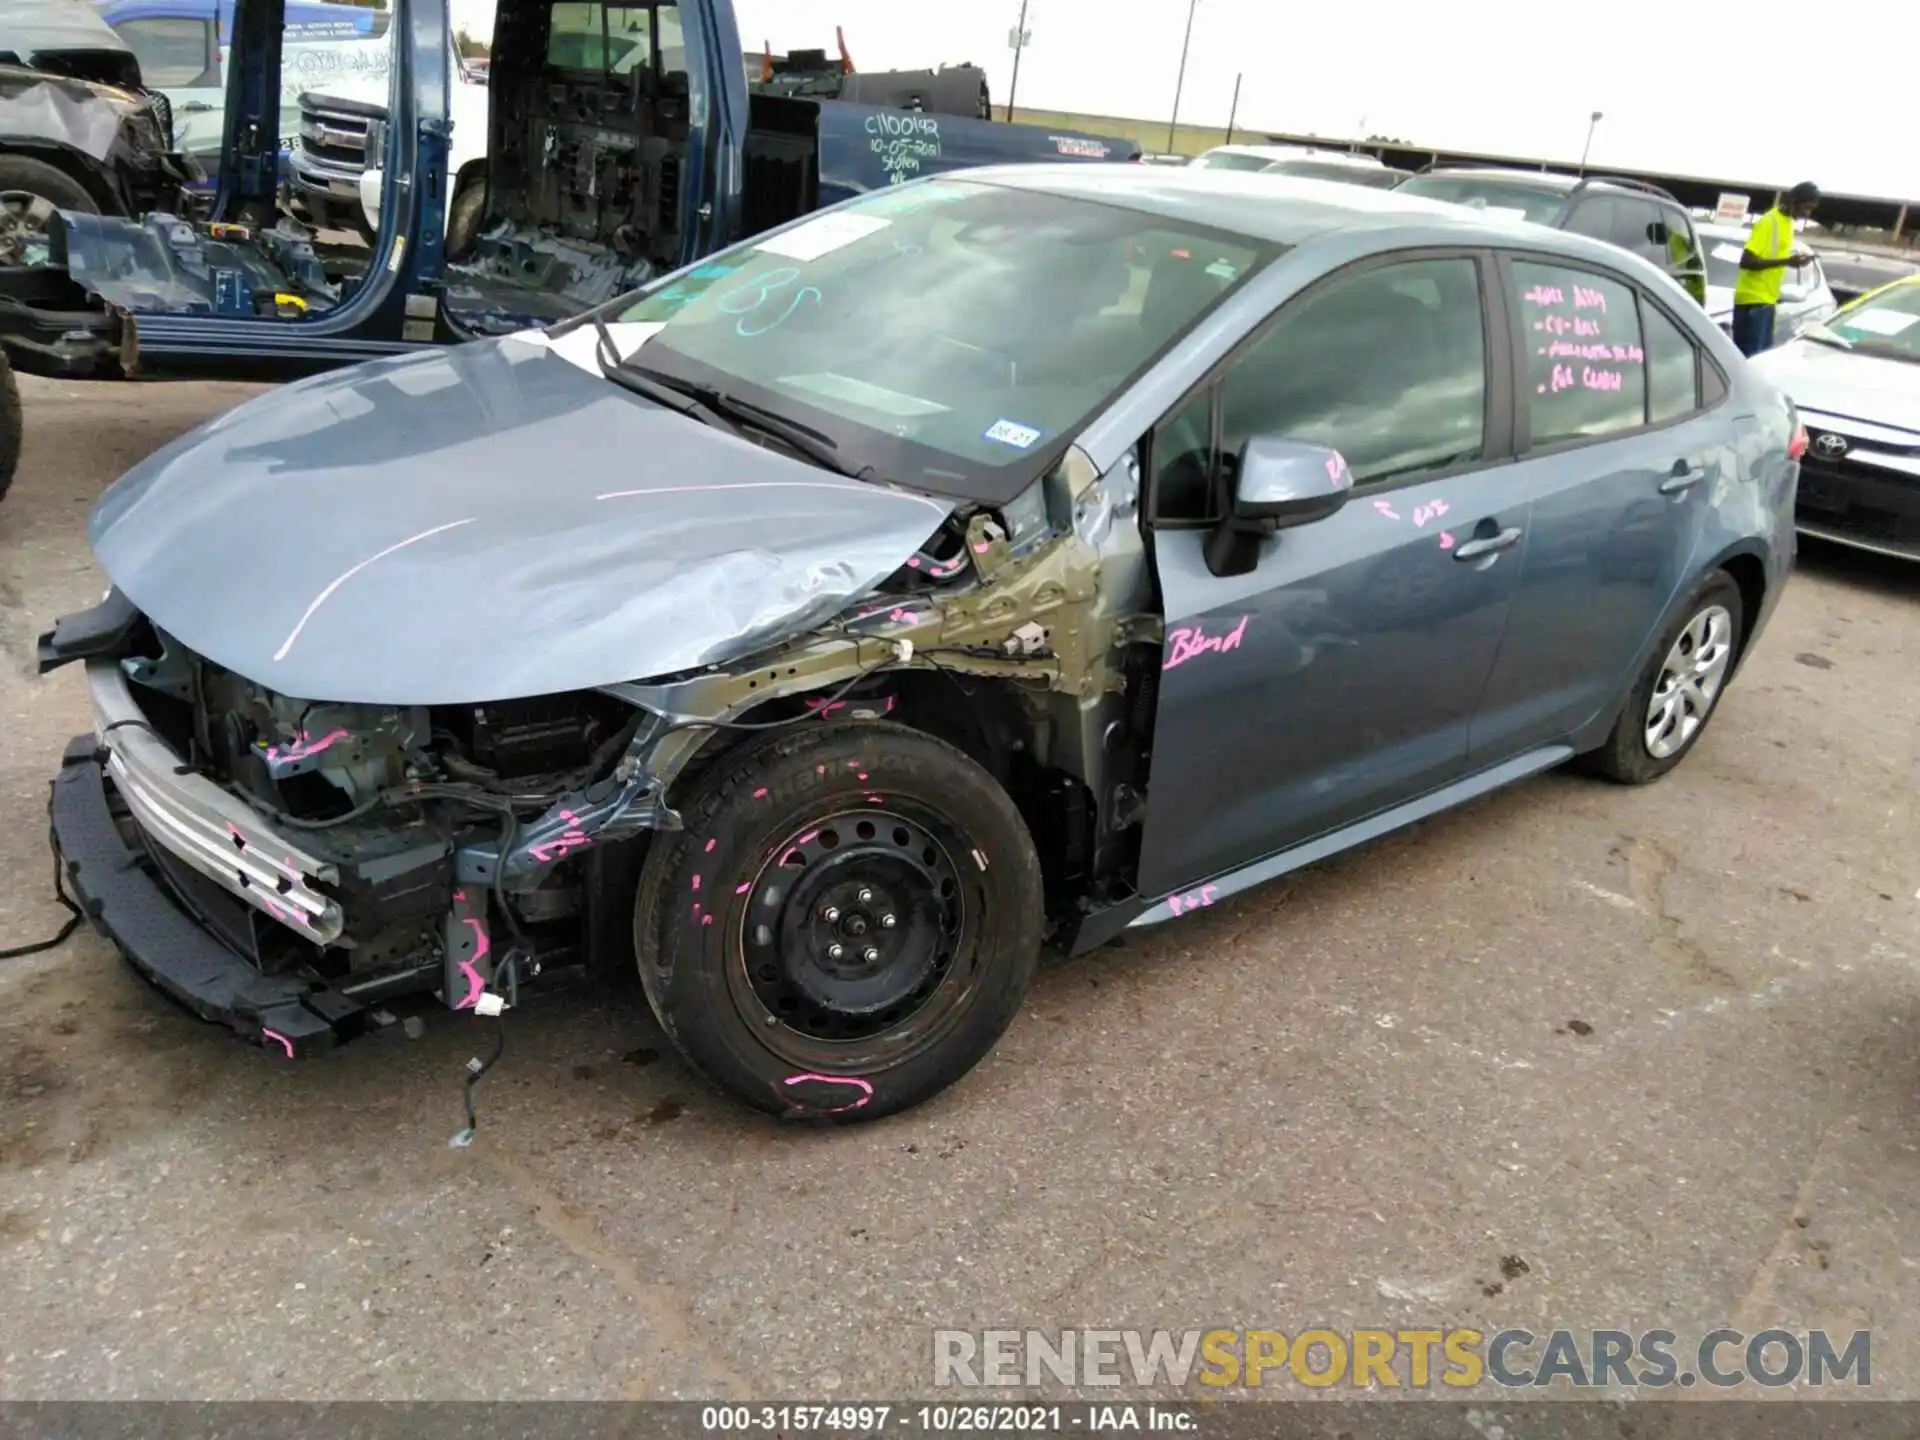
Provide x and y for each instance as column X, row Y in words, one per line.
column 1768, row 254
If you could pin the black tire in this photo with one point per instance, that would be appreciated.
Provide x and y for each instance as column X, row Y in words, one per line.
column 859, row 822
column 11, row 426
column 1627, row 756
column 469, row 208
column 22, row 173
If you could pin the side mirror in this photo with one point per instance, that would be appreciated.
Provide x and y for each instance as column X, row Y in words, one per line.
column 1275, row 484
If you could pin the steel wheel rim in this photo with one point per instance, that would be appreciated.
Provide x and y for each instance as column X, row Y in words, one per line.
column 1690, row 681
column 845, row 1015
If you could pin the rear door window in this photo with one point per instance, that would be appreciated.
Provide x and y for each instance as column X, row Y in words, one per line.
column 1585, row 374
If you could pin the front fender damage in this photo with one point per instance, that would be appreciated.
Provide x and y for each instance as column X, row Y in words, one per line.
column 1052, row 608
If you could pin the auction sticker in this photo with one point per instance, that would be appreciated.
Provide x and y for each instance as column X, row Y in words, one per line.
column 1008, row 432
column 822, row 236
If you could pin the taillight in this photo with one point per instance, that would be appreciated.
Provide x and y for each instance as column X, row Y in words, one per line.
column 1797, row 446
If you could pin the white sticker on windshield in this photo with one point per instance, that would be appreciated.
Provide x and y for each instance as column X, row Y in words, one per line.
column 1880, row 322
column 1729, row 253
column 1021, row 437
column 822, row 236
column 581, row 347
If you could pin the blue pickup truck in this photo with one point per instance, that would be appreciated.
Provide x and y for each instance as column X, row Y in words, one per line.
column 624, row 144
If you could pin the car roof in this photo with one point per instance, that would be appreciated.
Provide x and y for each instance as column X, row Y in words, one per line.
column 1334, row 157
column 1264, row 152
column 1283, row 209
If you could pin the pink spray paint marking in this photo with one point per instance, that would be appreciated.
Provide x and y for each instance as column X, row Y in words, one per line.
column 1588, row 299
column 851, row 1082
column 1431, row 511
column 981, row 547
column 1446, row 540
column 875, row 800
column 761, row 793
column 1547, row 295
column 305, row 747
column 1336, row 466
column 808, row 838
column 1387, row 510
column 743, row 889
column 572, row 838
column 280, row 1040
column 706, row 919
column 476, row 985
column 1186, row 642
column 1193, row 899
column 821, row 707
column 696, row 883
column 711, row 843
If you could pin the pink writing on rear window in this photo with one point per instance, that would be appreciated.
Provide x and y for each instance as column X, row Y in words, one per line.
column 1586, row 298
column 1564, row 325
column 1599, row 379
column 1546, row 295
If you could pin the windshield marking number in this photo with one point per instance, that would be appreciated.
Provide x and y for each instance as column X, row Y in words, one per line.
column 763, row 290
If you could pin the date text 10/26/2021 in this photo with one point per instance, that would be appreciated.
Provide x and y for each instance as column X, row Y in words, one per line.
column 875, row 1422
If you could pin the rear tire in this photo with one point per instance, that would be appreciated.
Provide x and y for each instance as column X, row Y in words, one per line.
column 847, row 924
column 32, row 189
column 1675, row 696
column 12, row 426
column 463, row 219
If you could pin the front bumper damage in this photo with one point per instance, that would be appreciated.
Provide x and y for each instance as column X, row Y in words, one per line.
column 290, row 1015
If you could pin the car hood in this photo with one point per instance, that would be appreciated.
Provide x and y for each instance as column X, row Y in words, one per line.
column 485, row 522
column 1844, row 382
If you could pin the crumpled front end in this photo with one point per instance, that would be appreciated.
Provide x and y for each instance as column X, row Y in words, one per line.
column 284, row 864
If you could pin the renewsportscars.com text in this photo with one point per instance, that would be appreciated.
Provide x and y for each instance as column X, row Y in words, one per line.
column 1400, row 1358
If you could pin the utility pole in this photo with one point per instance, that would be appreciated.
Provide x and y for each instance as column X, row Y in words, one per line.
column 1235, row 111
column 1587, row 149
column 1174, row 123
column 1017, row 38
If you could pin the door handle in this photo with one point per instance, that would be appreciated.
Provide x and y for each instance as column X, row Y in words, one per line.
column 1683, row 478
column 1491, row 545
column 195, row 107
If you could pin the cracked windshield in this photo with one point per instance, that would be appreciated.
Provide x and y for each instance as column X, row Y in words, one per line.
column 942, row 323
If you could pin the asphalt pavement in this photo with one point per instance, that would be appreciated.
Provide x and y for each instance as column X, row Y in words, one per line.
column 1574, row 1056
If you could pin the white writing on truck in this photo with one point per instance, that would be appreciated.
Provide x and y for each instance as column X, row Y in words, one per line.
column 901, row 142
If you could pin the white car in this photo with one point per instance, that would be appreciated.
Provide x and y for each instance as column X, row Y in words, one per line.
column 1856, row 380
column 1805, row 295
column 1344, row 166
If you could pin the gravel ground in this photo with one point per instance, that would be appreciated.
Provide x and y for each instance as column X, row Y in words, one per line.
column 1574, row 1055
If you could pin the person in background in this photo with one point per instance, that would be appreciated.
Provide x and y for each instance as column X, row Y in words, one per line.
column 1769, row 252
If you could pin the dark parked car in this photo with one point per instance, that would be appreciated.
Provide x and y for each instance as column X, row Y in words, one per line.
column 1632, row 214
column 1022, row 556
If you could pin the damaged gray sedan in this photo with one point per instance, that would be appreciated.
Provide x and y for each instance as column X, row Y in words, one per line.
column 830, row 625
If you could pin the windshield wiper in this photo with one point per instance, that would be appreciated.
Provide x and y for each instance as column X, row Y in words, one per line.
column 816, row 445
column 653, row 385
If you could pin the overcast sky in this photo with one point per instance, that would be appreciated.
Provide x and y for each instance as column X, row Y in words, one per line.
column 1704, row 88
